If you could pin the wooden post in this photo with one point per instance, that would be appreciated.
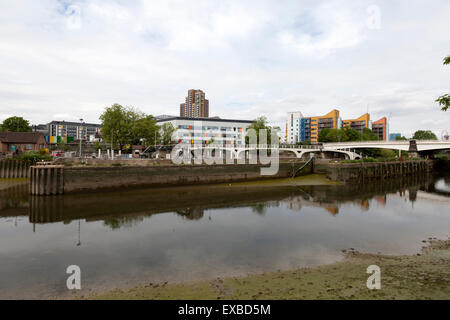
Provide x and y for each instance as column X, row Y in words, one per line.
column 46, row 180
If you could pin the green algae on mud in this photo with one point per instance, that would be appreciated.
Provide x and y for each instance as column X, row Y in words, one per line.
column 307, row 180
column 9, row 183
column 422, row 276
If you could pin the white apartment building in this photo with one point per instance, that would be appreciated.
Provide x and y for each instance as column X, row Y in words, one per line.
column 293, row 127
column 206, row 130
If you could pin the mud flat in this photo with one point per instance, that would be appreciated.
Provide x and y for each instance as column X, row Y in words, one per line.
column 422, row 276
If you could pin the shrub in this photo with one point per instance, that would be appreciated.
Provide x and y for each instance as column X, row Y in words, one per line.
column 35, row 157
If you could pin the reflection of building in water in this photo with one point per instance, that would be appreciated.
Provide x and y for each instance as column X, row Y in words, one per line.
column 192, row 214
column 295, row 203
column 364, row 204
column 380, row 199
column 333, row 210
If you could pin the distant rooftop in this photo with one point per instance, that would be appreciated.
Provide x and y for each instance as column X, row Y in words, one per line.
column 164, row 116
column 71, row 123
column 20, row 137
column 214, row 119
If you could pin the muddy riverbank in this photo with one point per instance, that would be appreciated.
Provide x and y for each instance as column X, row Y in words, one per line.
column 422, row 276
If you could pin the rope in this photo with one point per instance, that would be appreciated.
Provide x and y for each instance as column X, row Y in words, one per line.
column 296, row 172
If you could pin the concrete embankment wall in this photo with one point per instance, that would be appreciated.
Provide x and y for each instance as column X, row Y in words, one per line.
column 358, row 172
column 11, row 169
column 52, row 180
column 85, row 178
column 58, row 180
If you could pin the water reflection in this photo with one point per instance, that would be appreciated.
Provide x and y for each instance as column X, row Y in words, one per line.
column 128, row 208
column 443, row 186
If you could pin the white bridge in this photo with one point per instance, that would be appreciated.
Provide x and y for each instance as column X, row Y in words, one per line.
column 411, row 145
column 349, row 149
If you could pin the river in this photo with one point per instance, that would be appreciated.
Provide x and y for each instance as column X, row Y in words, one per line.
column 120, row 239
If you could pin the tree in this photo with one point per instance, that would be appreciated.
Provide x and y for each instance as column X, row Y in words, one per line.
column 444, row 100
column 352, row 134
column 369, row 135
column 166, row 131
column 118, row 125
column 333, row 135
column 424, row 135
column 346, row 134
column 257, row 125
column 402, row 138
column 16, row 124
column 145, row 128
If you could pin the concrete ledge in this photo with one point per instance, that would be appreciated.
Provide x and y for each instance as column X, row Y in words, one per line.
column 77, row 179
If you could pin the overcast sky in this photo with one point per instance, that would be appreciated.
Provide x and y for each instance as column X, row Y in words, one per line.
column 66, row 60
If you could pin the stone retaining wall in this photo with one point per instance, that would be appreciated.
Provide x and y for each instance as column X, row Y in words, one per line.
column 358, row 172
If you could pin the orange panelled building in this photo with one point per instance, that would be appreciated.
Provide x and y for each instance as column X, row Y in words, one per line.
column 308, row 128
column 359, row 123
column 380, row 128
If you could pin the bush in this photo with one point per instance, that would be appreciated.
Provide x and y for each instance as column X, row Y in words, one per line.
column 35, row 157
column 386, row 153
column 368, row 159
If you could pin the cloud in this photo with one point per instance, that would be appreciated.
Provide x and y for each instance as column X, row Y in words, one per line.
column 74, row 58
column 324, row 29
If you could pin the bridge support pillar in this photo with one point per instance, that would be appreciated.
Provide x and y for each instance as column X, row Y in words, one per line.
column 414, row 154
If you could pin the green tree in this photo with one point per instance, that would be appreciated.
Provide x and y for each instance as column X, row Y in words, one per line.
column 166, row 131
column 402, row 138
column 346, row 134
column 424, row 135
column 444, row 100
column 352, row 134
column 145, row 128
column 16, row 124
column 257, row 125
column 369, row 135
column 118, row 123
column 333, row 135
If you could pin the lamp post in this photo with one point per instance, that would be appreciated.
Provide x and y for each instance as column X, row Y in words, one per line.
column 81, row 137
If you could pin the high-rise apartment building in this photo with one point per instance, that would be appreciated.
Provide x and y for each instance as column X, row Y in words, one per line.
column 293, row 127
column 307, row 129
column 380, row 128
column 359, row 123
column 195, row 106
column 310, row 127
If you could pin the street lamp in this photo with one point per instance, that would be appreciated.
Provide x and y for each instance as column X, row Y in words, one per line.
column 81, row 128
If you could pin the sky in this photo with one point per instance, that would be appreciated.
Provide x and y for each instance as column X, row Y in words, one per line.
column 66, row 60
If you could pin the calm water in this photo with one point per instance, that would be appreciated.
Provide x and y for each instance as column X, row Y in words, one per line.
column 123, row 238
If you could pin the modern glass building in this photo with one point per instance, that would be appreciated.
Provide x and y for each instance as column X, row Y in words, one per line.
column 207, row 130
